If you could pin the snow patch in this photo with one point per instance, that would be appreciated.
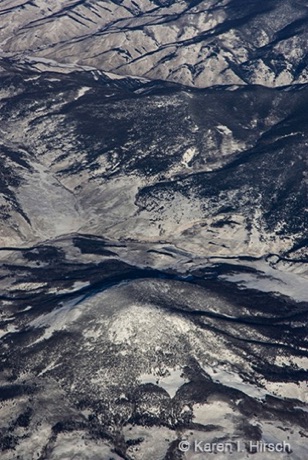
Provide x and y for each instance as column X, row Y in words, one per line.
column 171, row 381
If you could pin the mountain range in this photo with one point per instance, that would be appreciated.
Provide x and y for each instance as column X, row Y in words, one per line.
column 153, row 229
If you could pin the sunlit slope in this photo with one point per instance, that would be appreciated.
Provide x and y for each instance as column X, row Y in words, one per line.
column 200, row 43
column 217, row 171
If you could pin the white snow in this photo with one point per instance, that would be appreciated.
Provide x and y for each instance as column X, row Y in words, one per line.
column 171, row 381
column 82, row 91
column 155, row 442
column 214, row 412
column 188, row 156
column 272, row 280
column 233, row 380
column 58, row 319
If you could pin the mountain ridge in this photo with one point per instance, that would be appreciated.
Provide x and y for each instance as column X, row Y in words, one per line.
column 153, row 229
column 210, row 42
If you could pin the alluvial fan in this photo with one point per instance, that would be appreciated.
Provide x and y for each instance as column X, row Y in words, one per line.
column 153, row 230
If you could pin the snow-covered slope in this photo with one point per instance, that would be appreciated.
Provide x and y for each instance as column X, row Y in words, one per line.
column 117, row 353
column 199, row 43
column 153, row 229
column 133, row 159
